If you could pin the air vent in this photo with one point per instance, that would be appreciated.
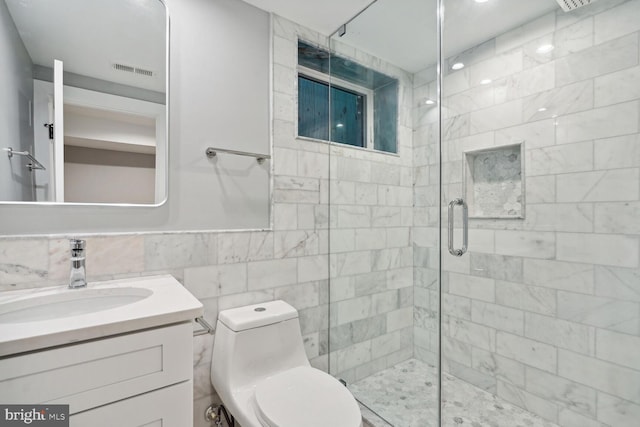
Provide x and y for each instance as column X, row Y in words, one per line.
column 569, row 5
column 144, row 72
column 125, row 68
column 132, row 69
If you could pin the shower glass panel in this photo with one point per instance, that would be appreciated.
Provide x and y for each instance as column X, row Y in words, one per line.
column 384, row 232
column 540, row 119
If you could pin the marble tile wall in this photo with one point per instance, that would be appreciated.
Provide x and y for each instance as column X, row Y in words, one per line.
column 369, row 261
column 543, row 311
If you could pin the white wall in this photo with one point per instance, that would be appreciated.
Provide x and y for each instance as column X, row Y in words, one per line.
column 219, row 96
column 16, row 182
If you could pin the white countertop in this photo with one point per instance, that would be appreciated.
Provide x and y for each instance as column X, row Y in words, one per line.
column 168, row 303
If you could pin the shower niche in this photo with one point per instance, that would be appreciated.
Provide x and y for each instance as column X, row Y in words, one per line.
column 494, row 182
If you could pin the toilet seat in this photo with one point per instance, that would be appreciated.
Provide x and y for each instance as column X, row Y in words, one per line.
column 305, row 396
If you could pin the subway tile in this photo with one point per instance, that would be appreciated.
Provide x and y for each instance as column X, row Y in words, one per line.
column 568, row 418
column 559, row 102
column 618, row 152
column 529, row 401
column 573, row 38
column 244, row 246
column 618, row 283
column 601, row 375
column 600, row 249
column 349, row 263
column 603, row 122
column 534, row 135
column 501, row 368
column 27, row 260
column 525, row 83
column 618, row 21
column 163, row 251
column 498, row 267
column 498, row 317
column 617, row 218
column 617, row 412
column 370, row 238
column 496, row 117
column 559, row 275
column 477, row 335
column 525, row 297
column 399, row 319
column 300, row 296
column 601, row 59
column 529, row 352
column 599, row 186
column 569, row 217
column 559, row 159
column 615, row 347
column 472, row 376
column 312, row 268
column 353, row 309
column 215, row 280
column 559, row 333
column 524, row 33
column 496, row 67
column 353, row 216
column 539, row 189
column 525, row 244
column 458, row 351
column 289, row 244
column 477, row 288
column 559, row 390
column 246, row 298
column 617, row 87
column 456, row 306
column 270, row 274
column 622, row 316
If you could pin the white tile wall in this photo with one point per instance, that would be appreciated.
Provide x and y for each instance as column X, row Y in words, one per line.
column 560, row 289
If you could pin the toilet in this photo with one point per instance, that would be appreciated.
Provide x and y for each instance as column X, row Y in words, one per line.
column 260, row 371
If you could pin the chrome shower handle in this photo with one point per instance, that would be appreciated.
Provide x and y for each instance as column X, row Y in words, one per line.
column 465, row 227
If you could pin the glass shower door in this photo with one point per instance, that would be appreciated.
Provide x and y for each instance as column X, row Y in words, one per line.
column 540, row 141
column 383, row 335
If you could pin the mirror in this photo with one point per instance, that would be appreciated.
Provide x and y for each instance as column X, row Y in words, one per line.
column 83, row 115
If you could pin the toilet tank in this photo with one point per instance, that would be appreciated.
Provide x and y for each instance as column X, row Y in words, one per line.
column 254, row 342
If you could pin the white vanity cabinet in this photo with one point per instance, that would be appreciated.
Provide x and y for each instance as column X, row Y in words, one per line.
column 142, row 378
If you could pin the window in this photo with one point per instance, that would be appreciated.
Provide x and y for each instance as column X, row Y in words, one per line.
column 344, row 122
column 354, row 105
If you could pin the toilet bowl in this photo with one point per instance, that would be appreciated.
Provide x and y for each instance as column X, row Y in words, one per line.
column 261, row 373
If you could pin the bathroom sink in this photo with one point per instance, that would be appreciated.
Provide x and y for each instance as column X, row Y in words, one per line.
column 35, row 319
column 75, row 302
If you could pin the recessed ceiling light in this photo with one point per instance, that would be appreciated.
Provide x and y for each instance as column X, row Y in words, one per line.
column 481, row 1
column 485, row 81
column 545, row 48
column 339, row 125
column 541, row 109
column 457, row 66
column 429, row 102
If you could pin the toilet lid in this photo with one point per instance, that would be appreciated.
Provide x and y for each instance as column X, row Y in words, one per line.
column 305, row 396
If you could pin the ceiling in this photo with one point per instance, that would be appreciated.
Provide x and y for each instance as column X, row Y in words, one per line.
column 403, row 32
column 90, row 36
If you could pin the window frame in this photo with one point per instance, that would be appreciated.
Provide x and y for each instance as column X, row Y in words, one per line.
column 331, row 81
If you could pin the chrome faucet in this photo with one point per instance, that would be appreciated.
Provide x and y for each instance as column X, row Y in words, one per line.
column 78, row 276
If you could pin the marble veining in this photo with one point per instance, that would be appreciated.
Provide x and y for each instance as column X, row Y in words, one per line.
column 405, row 395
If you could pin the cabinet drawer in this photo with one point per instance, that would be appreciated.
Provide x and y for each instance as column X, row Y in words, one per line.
column 98, row 372
column 167, row 407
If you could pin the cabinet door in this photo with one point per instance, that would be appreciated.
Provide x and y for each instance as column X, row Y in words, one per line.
column 167, row 407
column 99, row 372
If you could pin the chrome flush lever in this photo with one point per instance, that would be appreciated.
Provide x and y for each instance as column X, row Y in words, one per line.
column 465, row 227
